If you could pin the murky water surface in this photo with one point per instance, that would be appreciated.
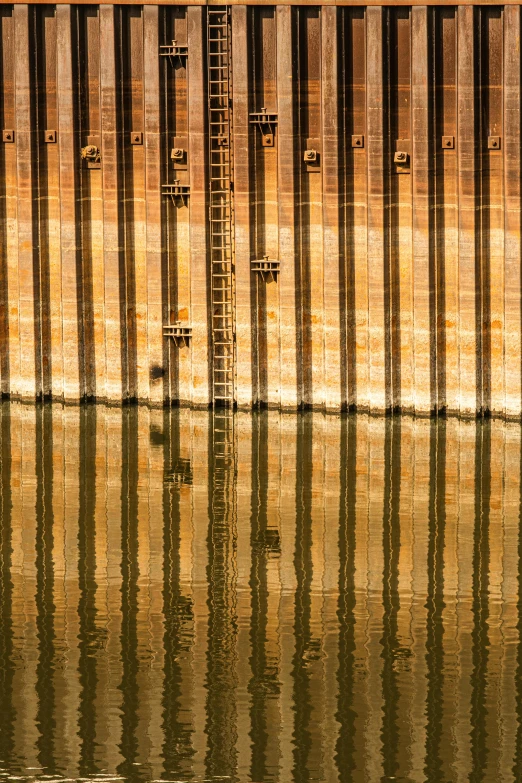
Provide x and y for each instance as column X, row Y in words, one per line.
column 313, row 598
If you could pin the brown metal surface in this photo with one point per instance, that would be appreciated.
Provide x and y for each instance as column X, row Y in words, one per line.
column 388, row 196
column 314, row 3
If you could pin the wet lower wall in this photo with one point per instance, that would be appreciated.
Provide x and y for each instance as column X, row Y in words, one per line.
column 397, row 246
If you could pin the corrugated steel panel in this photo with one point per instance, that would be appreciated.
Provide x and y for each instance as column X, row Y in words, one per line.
column 388, row 204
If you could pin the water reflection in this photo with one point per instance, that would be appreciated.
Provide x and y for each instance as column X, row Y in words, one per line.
column 295, row 598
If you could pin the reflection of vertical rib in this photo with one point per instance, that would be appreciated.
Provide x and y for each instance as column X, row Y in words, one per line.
column 435, row 601
column 151, row 508
column 391, row 602
column 244, row 428
column 222, row 574
column 410, row 736
column 194, row 521
column 369, row 580
column 517, row 765
column 129, row 592
column 346, row 714
column 90, row 634
column 459, row 574
column 304, row 644
column 509, row 488
column 497, row 620
column 480, row 638
column 45, row 607
column 286, row 490
column 328, row 494
column 24, row 587
column 177, row 606
column 263, row 682
column 6, row 588
column 65, row 501
column 417, row 687
column 451, row 576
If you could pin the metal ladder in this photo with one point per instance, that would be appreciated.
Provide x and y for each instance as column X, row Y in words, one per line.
column 221, row 205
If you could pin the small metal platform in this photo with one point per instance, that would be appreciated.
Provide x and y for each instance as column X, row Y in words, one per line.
column 266, row 122
column 267, row 269
column 181, row 334
column 177, row 53
column 178, row 193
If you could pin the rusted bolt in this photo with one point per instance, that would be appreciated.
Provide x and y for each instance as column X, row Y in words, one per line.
column 494, row 142
column 136, row 138
column 8, row 136
column 177, row 153
column 310, row 156
column 357, row 140
column 50, row 136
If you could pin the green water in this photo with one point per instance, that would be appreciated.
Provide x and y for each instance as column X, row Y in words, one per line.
column 302, row 598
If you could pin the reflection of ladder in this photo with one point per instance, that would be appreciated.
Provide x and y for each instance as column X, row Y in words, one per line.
column 221, row 206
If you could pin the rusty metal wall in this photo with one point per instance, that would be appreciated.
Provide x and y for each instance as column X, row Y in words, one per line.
column 398, row 284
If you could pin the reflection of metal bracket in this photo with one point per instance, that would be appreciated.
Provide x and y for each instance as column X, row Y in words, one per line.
column 267, row 270
column 177, row 192
column 181, row 335
column 91, row 154
column 176, row 53
column 180, row 475
column 268, row 541
column 266, row 123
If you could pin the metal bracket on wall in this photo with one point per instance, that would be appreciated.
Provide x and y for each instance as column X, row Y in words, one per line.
column 312, row 155
column 178, row 153
column 177, row 53
column 181, row 335
column 266, row 122
column 91, row 153
column 402, row 156
column 267, row 270
column 178, row 193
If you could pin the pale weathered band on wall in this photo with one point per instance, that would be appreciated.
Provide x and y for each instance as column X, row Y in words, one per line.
column 283, row 205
